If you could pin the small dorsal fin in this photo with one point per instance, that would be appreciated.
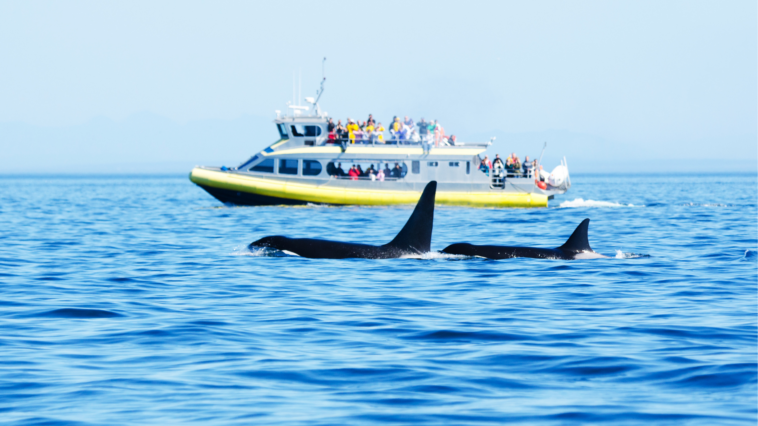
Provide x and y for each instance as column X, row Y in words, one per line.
column 578, row 241
column 416, row 235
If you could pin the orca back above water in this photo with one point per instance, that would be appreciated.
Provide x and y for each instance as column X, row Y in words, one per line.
column 414, row 239
column 577, row 247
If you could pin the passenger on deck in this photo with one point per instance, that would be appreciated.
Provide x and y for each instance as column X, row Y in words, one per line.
column 379, row 132
column 423, row 130
column 527, row 166
column 439, row 133
column 515, row 164
column 451, row 140
column 387, row 171
column 404, row 132
column 395, row 128
column 360, row 171
column 339, row 171
column 543, row 174
column 369, row 132
column 351, row 129
column 484, row 167
column 409, row 123
column 497, row 161
column 341, row 132
column 330, row 127
column 359, row 135
column 380, row 175
column 353, row 173
column 397, row 172
column 370, row 119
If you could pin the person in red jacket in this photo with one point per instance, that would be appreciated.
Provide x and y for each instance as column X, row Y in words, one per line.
column 353, row 173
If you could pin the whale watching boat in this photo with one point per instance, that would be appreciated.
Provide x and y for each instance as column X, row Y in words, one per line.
column 304, row 166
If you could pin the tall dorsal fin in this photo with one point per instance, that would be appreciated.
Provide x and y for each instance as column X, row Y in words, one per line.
column 578, row 241
column 416, row 235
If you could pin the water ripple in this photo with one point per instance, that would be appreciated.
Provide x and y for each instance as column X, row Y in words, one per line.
column 135, row 300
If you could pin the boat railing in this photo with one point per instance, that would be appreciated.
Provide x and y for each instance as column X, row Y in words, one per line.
column 369, row 178
column 510, row 173
column 401, row 142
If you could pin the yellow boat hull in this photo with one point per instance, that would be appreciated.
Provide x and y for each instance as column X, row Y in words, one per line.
column 242, row 189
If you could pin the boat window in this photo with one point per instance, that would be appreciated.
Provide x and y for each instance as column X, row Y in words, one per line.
column 312, row 130
column 282, row 130
column 288, row 167
column 309, row 131
column 454, row 164
column 468, row 167
column 365, row 167
column 247, row 163
column 312, row 167
column 266, row 166
column 415, row 167
column 433, row 164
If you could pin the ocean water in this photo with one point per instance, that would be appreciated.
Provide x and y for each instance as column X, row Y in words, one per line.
column 133, row 300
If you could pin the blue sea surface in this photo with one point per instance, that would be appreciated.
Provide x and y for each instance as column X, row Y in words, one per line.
column 134, row 300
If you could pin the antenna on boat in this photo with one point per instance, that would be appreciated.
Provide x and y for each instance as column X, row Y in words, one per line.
column 543, row 151
column 323, row 79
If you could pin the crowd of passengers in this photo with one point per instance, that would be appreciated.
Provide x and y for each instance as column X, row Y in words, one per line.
column 357, row 172
column 512, row 166
column 370, row 131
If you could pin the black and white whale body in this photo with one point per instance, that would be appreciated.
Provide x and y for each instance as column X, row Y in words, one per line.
column 577, row 247
column 414, row 239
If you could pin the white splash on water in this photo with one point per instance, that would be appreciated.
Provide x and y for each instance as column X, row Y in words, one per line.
column 244, row 250
column 621, row 255
column 705, row 205
column 439, row 255
column 580, row 202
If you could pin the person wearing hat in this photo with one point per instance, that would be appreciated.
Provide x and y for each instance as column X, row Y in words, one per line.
column 351, row 129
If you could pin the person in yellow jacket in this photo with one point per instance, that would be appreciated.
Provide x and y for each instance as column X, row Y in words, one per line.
column 351, row 129
column 395, row 128
column 379, row 132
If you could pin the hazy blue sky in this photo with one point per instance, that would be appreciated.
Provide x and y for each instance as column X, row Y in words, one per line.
column 603, row 80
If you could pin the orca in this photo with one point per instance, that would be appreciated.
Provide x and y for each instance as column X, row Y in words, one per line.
column 577, row 247
column 414, row 239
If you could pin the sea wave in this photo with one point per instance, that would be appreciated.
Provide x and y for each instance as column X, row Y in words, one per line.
column 580, row 202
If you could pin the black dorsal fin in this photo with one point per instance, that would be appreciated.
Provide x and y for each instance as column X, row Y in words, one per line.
column 416, row 235
column 578, row 241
